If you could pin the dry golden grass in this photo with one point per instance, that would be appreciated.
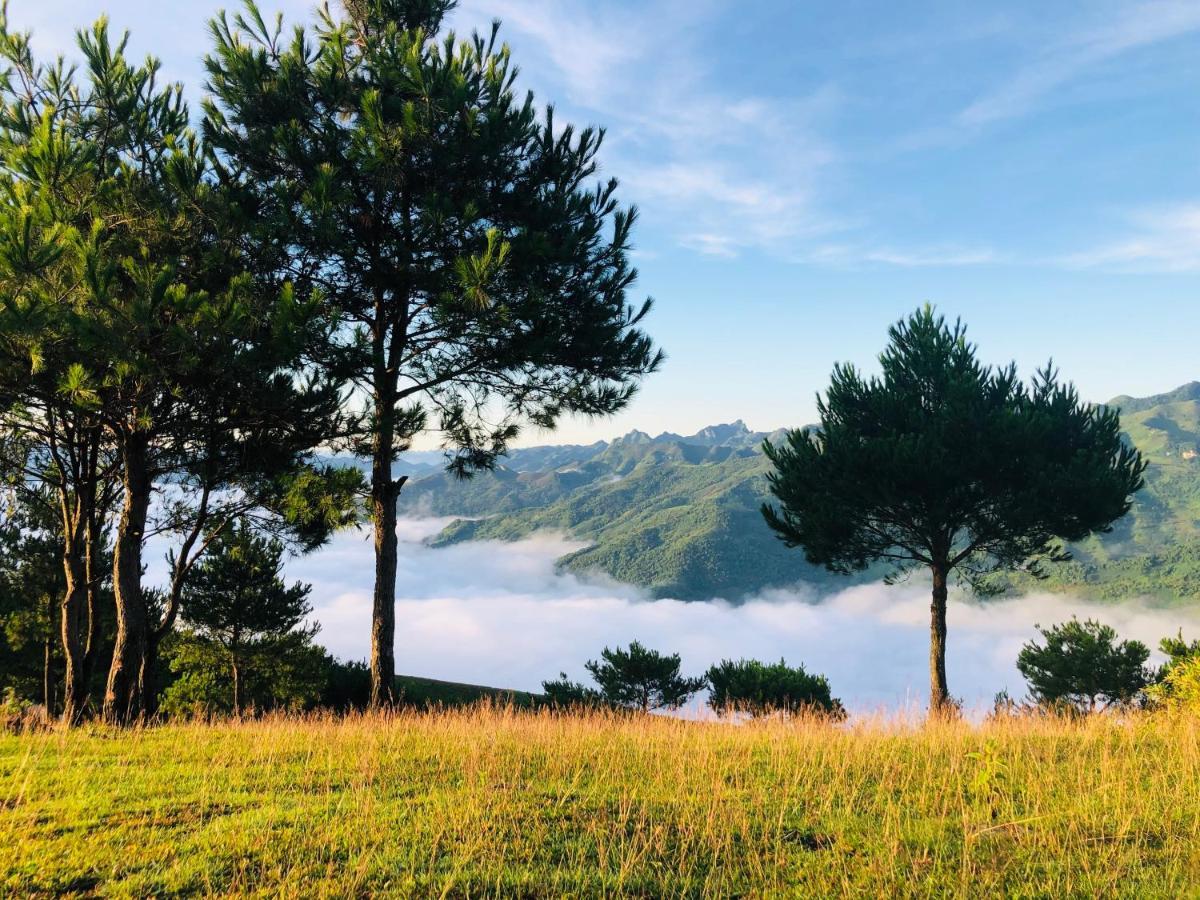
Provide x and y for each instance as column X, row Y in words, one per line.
column 491, row 802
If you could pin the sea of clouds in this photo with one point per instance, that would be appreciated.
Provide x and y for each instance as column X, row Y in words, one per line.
column 500, row 614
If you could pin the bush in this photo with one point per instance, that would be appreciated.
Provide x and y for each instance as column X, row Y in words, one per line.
column 1178, row 684
column 1179, row 688
column 762, row 689
column 1177, row 651
column 288, row 672
column 640, row 678
column 562, row 693
column 1082, row 666
column 347, row 685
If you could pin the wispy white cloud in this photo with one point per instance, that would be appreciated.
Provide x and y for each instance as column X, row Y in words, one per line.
column 1134, row 27
column 722, row 209
column 940, row 256
column 707, row 244
column 1164, row 240
column 587, row 46
column 721, row 171
column 936, row 256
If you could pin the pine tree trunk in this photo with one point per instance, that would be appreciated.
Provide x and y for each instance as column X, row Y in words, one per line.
column 122, row 703
column 74, row 598
column 148, row 675
column 93, row 554
column 47, row 680
column 939, row 694
column 91, row 635
column 383, row 510
column 237, row 687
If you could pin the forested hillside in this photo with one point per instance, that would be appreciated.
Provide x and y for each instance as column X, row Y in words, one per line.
column 679, row 515
column 675, row 514
column 1153, row 552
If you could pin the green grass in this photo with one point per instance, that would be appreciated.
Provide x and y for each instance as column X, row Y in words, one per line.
column 488, row 802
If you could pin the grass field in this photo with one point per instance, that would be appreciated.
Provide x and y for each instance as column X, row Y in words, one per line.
column 491, row 802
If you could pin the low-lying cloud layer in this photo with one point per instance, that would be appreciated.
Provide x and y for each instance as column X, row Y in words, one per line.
column 499, row 614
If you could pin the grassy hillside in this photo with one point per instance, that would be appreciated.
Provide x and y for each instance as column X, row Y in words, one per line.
column 679, row 515
column 493, row 803
column 430, row 692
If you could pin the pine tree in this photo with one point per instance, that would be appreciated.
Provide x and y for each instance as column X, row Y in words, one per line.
column 391, row 168
column 1082, row 664
column 127, row 309
column 49, row 440
column 641, row 678
column 946, row 464
column 236, row 597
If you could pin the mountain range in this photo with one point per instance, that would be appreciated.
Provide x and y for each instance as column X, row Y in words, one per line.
column 678, row 515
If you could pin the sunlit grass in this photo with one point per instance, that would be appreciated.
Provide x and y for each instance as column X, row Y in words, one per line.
column 496, row 802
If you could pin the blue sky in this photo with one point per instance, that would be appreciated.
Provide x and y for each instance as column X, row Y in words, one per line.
column 808, row 173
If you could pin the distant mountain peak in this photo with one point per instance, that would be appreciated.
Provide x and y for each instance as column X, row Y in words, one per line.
column 735, row 427
column 733, row 433
column 1182, row 394
column 633, row 437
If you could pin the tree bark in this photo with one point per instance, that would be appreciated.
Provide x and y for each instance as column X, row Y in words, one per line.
column 122, row 702
column 93, row 510
column 939, row 694
column 74, row 598
column 237, row 686
column 91, row 565
column 47, row 681
column 383, row 512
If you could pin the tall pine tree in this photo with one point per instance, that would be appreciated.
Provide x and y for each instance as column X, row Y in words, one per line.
column 50, row 436
column 126, row 305
column 392, row 169
column 946, row 464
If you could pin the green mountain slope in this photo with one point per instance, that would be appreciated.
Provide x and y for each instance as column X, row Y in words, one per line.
column 1153, row 552
column 678, row 515
column 680, row 528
